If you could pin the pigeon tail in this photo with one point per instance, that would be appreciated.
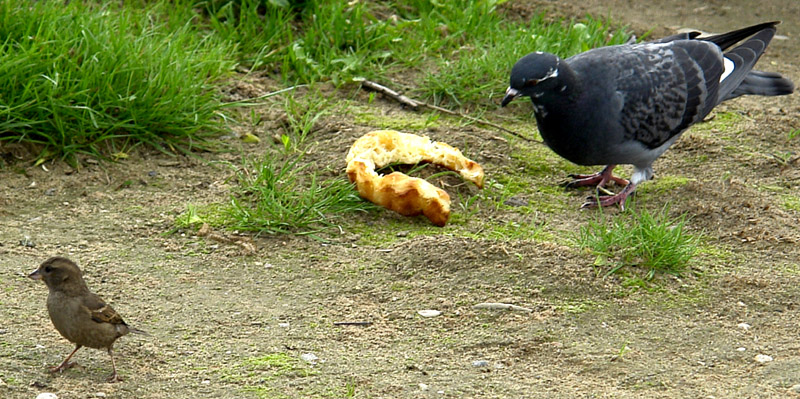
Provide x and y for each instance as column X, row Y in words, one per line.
column 726, row 40
column 743, row 57
column 763, row 84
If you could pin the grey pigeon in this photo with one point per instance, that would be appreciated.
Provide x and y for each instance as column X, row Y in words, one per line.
column 627, row 104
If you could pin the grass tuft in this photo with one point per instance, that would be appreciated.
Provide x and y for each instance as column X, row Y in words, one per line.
column 78, row 78
column 655, row 242
column 275, row 197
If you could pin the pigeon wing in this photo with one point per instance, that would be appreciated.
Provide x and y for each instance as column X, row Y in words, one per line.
column 666, row 87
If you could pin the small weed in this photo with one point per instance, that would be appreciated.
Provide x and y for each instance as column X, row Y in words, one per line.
column 274, row 197
column 793, row 134
column 302, row 117
column 654, row 242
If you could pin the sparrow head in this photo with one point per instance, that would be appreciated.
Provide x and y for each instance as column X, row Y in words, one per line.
column 532, row 75
column 58, row 272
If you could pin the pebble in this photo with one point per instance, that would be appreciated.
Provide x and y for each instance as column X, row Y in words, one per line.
column 515, row 201
column 743, row 326
column 428, row 313
column 100, row 394
column 480, row 363
column 205, row 382
column 741, row 349
column 283, row 325
column 46, row 395
column 152, row 173
column 27, row 242
column 796, row 388
column 423, row 387
column 309, row 357
column 761, row 358
column 50, row 192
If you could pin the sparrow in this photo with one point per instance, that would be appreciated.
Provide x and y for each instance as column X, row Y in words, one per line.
column 78, row 314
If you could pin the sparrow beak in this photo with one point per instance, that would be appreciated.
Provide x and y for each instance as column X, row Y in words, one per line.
column 35, row 275
column 511, row 94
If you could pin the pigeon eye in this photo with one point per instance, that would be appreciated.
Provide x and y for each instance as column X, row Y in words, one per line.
column 531, row 82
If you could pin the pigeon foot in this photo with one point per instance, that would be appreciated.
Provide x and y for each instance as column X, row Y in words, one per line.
column 599, row 179
column 608, row 200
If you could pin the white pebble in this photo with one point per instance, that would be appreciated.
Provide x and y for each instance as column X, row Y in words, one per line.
column 205, row 382
column 761, row 358
column 796, row 388
column 46, row 395
column 423, row 387
column 100, row 394
column 309, row 357
column 429, row 313
column 480, row 363
column 743, row 326
column 741, row 349
column 742, row 304
column 283, row 325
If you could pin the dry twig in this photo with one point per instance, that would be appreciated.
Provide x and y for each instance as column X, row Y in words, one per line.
column 414, row 104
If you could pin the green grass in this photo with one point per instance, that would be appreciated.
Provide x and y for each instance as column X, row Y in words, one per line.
column 80, row 79
column 651, row 241
column 96, row 78
column 274, row 196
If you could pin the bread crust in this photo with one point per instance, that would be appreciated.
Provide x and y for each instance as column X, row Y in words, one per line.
column 408, row 196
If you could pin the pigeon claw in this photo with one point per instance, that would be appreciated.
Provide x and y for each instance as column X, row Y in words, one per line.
column 602, row 201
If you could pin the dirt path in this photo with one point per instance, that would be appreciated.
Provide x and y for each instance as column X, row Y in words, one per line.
column 227, row 324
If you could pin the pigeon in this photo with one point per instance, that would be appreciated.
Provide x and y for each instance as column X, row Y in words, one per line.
column 627, row 104
column 78, row 314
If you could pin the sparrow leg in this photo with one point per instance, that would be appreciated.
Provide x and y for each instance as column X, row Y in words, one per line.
column 66, row 364
column 113, row 377
column 599, row 179
column 608, row 200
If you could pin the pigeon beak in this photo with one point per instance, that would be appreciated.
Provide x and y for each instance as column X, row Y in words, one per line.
column 35, row 275
column 511, row 94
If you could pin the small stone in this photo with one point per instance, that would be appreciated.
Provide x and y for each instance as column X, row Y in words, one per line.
column 515, row 201
column 152, row 173
column 309, row 358
column 429, row 313
column 741, row 349
column 480, row 363
column 742, row 304
column 743, row 326
column 205, row 382
column 761, row 358
column 283, row 325
column 402, row 234
column 27, row 242
column 423, row 387
column 100, row 394
column 50, row 192
column 795, row 388
column 46, row 395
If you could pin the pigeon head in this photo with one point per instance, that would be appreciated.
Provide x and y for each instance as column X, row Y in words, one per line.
column 532, row 75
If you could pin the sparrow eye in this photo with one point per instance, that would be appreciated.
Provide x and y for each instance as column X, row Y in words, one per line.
column 48, row 269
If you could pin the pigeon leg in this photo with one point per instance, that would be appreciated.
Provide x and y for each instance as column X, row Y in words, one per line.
column 66, row 364
column 599, row 179
column 608, row 200
column 114, row 377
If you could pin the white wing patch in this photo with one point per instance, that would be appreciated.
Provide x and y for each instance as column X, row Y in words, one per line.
column 728, row 68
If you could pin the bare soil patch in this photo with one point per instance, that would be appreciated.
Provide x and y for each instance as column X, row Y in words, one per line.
column 228, row 324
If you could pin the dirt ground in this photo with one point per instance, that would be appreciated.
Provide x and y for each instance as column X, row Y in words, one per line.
column 225, row 323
